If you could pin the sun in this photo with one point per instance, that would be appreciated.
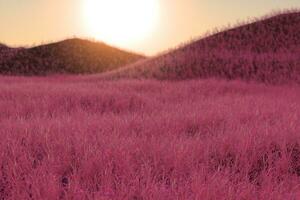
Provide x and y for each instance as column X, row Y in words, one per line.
column 121, row 22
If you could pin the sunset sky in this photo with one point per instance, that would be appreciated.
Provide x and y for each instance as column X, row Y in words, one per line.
column 158, row 26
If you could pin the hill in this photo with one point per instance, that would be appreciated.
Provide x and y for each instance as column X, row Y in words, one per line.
column 2, row 46
column 68, row 56
column 6, row 53
column 266, row 50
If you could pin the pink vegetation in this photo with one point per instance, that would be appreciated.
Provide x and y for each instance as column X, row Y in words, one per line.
column 68, row 138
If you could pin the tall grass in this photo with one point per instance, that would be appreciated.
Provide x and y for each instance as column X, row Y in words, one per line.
column 69, row 138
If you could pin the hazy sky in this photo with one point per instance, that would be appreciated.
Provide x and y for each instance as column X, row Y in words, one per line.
column 30, row 22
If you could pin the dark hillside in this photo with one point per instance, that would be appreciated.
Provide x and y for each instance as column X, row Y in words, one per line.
column 6, row 53
column 267, row 50
column 68, row 56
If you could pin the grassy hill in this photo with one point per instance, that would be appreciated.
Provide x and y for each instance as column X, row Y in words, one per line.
column 2, row 46
column 6, row 53
column 68, row 56
column 266, row 50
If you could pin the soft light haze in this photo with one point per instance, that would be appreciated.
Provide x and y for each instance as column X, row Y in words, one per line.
column 33, row 22
column 128, row 23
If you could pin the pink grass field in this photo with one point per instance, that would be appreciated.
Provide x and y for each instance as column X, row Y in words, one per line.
column 75, row 138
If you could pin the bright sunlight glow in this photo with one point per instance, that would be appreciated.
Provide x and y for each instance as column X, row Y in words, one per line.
column 121, row 22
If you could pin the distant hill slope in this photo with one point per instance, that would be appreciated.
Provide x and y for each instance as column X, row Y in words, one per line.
column 68, row 56
column 2, row 46
column 267, row 50
column 6, row 53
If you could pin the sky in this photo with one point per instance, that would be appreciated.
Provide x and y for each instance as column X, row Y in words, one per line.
column 34, row 22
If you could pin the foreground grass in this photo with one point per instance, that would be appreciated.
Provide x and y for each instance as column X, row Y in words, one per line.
column 67, row 138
